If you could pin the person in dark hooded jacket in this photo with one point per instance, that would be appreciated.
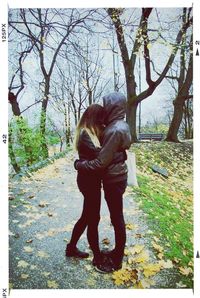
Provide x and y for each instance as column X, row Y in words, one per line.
column 116, row 138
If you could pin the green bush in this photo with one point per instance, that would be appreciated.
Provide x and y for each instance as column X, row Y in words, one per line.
column 26, row 142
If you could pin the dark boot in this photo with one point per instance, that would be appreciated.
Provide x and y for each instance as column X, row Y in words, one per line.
column 75, row 252
column 102, row 265
column 112, row 259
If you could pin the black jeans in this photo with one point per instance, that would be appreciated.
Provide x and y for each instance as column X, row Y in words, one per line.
column 90, row 186
column 114, row 198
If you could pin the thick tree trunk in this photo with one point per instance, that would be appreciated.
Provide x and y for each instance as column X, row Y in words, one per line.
column 131, row 120
column 131, row 101
column 176, row 121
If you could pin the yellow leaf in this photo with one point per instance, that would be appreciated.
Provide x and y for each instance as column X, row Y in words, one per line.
column 157, row 247
column 52, row 284
column 126, row 252
column 142, row 257
column 149, row 45
column 136, row 248
column 160, row 255
column 156, row 239
column 129, row 226
column 138, row 285
column 185, row 271
column 151, row 269
column 130, row 261
column 22, row 264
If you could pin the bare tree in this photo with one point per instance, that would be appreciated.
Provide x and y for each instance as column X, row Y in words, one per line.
column 129, row 62
column 48, row 30
column 185, row 80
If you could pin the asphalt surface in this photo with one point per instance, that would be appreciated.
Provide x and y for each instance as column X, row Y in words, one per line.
column 43, row 211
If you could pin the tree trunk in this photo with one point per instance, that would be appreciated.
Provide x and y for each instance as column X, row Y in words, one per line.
column 131, row 119
column 176, row 121
column 67, row 125
column 43, row 116
column 132, row 104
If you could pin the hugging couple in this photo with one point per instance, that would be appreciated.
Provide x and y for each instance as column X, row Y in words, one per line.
column 102, row 136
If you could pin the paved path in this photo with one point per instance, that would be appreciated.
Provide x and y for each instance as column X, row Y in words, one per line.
column 43, row 210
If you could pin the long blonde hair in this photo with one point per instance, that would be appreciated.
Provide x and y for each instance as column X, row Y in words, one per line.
column 91, row 121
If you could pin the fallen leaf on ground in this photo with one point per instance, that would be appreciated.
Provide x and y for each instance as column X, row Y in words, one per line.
column 52, row 284
column 42, row 254
column 166, row 264
column 156, row 239
column 17, row 235
column 106, row 241
column 191, row 264
column 138, row 235
column 39, row 236
column 157, row 247
column 180, row 285
column 28, row 249
column 68, row 228
column 125, row 275
column 43, row 204
column 176, row 260
column 15, row 221
column 24, row 276
column 46, row 274
column 31, row 196
column 91, row 282
column 50, row 214
column 144, row 284
column 160, row 255
column 184, row 252
column 22, row 264
column 136, row 248
column 185, row 270
column 131, row 226
column 88, row 267
column 151, row 269
column 142, row 257
column 51, row 232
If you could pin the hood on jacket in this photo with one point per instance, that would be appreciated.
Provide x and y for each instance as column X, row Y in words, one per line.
column 114, row 106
